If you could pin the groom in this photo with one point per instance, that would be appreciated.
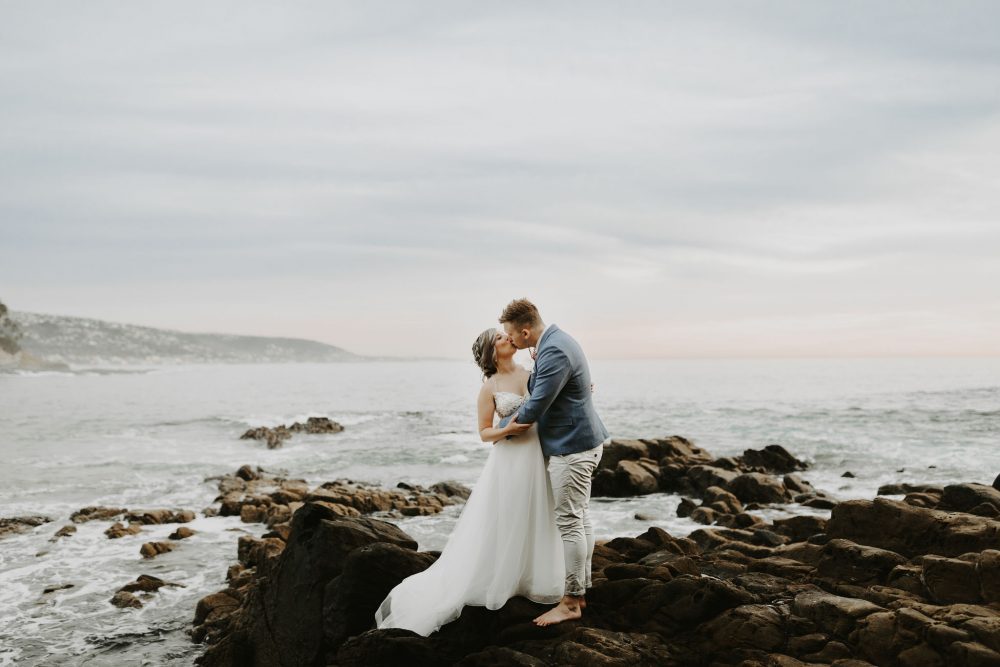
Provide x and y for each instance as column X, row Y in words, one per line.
column 572, row 437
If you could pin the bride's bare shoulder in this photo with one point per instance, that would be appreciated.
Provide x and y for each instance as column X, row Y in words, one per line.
column 487, row 388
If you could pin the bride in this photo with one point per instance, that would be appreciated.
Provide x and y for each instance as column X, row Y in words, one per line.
column 505, row 542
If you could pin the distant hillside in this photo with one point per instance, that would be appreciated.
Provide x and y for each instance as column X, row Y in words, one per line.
column 81, row 341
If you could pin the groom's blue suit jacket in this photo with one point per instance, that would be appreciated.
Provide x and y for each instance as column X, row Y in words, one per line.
column 561, row 402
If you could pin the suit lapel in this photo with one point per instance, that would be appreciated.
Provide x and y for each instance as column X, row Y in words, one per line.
column 538, row 350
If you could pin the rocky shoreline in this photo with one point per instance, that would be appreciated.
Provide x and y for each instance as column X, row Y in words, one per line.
column 907, row 583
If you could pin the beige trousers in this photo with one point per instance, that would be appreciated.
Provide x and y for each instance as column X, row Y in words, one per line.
column 571, row 477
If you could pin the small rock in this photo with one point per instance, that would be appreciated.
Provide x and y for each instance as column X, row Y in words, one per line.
column 452, row 489
column 848, row 474
column 119, row 530
column 94, row 513
column 820, row 503
column 147, row 583
column 685, row 507
column 755, row 487
column 20, row 524
column 65, row 531
column 246, row 472
column 153, row 549
column 59, row 587
column 124, row 600
column 181, row 533
column 642, row 516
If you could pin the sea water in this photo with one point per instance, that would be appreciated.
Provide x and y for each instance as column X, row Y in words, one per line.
column 148, row 437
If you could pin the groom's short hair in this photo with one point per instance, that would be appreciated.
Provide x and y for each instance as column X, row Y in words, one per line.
column 521, row 313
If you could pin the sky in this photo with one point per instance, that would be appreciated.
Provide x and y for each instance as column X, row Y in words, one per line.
column 663, row 179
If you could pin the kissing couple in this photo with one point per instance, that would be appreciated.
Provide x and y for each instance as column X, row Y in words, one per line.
column 525, row 529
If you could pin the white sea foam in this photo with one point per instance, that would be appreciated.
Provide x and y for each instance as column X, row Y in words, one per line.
column 148, row 440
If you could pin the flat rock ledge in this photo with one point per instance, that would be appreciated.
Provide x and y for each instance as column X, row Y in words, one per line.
column 258, row 496
column 882, row 582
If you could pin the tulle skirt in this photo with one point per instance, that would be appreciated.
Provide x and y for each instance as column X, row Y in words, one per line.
column 504, row 544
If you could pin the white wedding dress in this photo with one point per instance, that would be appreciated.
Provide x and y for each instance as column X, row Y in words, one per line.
column 504, row 544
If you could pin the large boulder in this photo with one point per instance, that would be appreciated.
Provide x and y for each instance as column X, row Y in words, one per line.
column 912, row 531
column 282, row 620
column 834, row 614
column 950, row 580
column 973, row 498
column 846, row 562
column 773, row 458
column 632, row 478
column 369, row 573
column 755, row 487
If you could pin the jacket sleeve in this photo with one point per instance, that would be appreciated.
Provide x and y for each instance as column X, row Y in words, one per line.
column 552, row 372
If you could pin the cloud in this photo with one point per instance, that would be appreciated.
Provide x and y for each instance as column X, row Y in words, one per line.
column 356, row 166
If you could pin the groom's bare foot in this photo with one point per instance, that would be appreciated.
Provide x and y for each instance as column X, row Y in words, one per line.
column 568, row 609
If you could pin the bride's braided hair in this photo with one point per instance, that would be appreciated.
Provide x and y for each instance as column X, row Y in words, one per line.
column 485, row 353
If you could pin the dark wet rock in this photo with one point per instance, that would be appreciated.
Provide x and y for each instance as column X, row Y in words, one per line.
column 57, row 587
column 844, row 561
column 880, row 583
column 284, row 621
column 118, row 529
column 629, row 478
column 125, row 600
column 750, row 626
column 798, row 486
column 160, row 516
column 96, row 513
column 705, row 515
column 66, row 531
column 970, row 497
column 274, row 437
column 212, row 606
column 452, row 489
column 181, row 533
column 772, row 458
column 153, row 549
column 247, row 473
column 950, row 580
column 833, row 614
column 368, row 574
column 147, row 583
column 685, row 507
column 257, row 496
column 722, row 501
column 912, row 531
column 819, row 503
column 755, row 487
column 316, row 425
column 21, row 524
column 904, row 488
column 848, row 474
column 801, row 527
column 702, row 477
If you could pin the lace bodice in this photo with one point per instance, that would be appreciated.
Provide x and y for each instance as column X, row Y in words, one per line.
column 508, row 402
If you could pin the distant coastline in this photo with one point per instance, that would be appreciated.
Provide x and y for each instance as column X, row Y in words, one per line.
column 61, row 342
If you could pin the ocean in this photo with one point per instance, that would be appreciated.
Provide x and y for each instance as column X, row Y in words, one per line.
column 148, row 437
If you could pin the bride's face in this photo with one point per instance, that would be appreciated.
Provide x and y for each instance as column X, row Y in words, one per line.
column 503, row 345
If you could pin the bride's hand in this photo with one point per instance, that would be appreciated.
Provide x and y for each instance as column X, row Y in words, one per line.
column 516, row 428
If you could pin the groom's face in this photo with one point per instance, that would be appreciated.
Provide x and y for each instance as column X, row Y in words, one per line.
column 518, row 337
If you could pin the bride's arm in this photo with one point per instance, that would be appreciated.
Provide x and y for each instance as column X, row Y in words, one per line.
column 486, row 408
